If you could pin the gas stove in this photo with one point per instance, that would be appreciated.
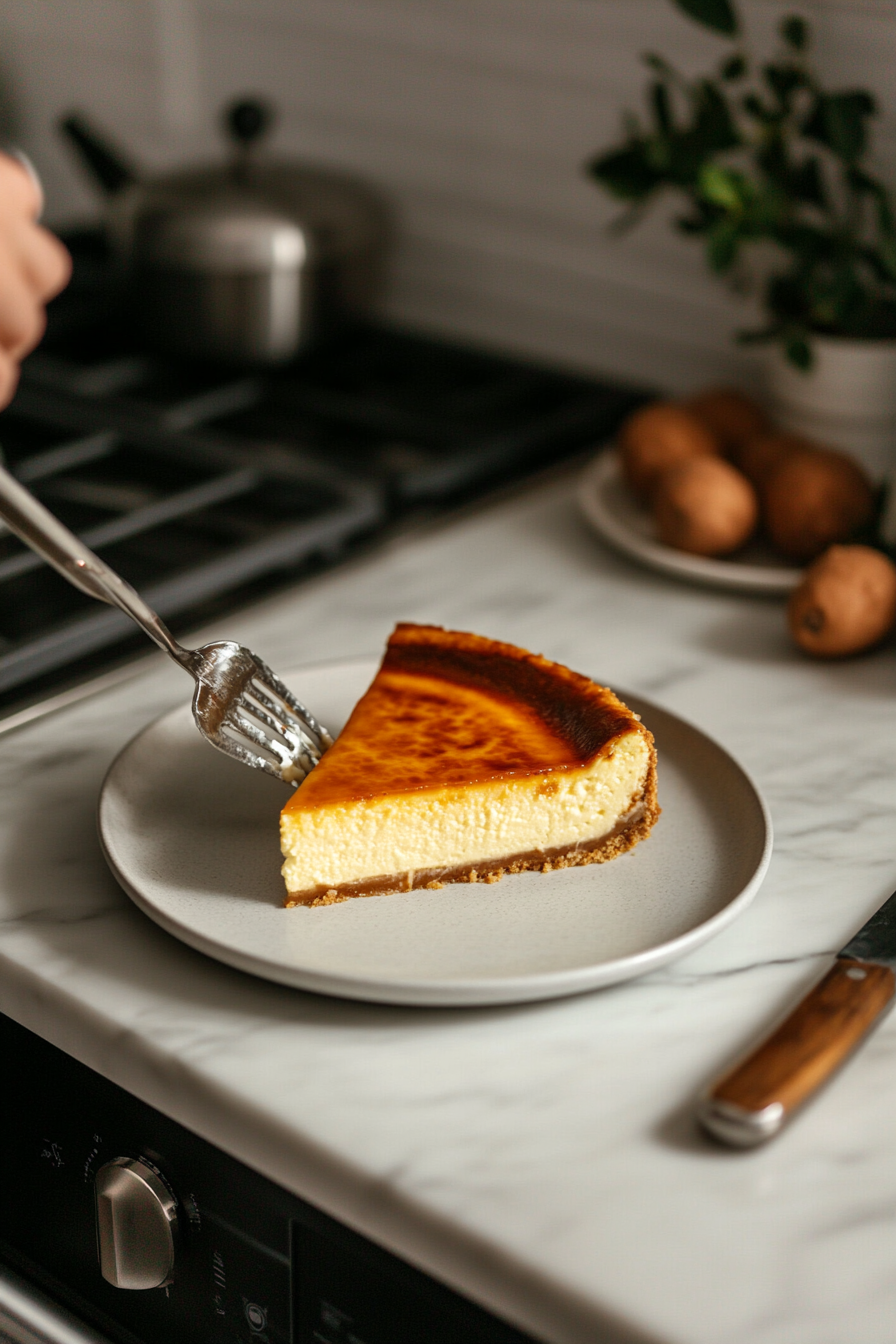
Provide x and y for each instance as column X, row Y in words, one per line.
column 205, row 487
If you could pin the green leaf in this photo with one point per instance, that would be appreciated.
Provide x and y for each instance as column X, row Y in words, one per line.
column 714, row 127
column 838, row 298
column 769, row 211
column 799, row 352
column 716, row 14
column 795, row 32
column 783, row 80
column 734, row 68
column 693, row 224
column 771, row 156
column 807, row 184
column 865, row 184
column 755, row 108
column 662, row 111
column 675, row 159
column 722, row 244
column 657, row 63
column 723, row 187
column 846, row 115
column 838, row 121
column 885, row 222
column 812, row 248
column 886, row 251
column 660, row 155
column 625, row 173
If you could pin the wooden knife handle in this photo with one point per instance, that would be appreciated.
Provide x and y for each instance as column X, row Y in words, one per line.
column 760, row 1094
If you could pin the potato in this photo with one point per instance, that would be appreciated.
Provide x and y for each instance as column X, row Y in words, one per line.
column 812, row 499
column 704, row 506
column 658, row 436
column 845, row 603
column 758, row 456
column 729, row 415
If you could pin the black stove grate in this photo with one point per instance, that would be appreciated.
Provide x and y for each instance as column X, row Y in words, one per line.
column 182, row 519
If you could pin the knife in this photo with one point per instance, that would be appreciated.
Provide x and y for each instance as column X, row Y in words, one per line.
column 754, row 1100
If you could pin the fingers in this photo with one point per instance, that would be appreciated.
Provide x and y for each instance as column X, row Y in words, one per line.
column 41, row 258
column 22, row 318
column 9, row 377
column 46, row 263
column 20, row 187
column 34, row 266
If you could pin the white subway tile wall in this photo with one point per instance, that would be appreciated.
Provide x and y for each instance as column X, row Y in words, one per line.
column 474, row 116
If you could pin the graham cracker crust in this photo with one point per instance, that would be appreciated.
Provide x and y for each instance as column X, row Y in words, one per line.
column 624, row 836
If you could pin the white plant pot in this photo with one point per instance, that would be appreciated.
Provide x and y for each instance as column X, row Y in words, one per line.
column 846, row 400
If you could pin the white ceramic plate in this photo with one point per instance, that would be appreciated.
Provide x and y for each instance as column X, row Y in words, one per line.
column 619, row 519
column 192, row 837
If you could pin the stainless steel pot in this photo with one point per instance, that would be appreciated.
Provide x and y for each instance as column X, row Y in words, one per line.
column 248, row 261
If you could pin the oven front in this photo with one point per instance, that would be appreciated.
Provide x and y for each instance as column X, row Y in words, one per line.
column 120, row 1224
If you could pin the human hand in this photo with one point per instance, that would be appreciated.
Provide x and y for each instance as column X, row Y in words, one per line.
column 33, row 267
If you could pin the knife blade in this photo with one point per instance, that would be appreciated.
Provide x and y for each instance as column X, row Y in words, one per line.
column 755, row 1099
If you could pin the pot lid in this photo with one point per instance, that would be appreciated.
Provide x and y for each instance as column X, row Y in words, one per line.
column 224, row 237
column 248, row 212
column 336, row 213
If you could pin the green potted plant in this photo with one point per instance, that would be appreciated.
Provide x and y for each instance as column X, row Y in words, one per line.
column 772, row 167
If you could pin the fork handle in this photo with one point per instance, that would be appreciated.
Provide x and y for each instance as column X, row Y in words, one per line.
column 43, row 532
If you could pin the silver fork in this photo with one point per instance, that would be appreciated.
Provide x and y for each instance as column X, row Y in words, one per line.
column 239, row 705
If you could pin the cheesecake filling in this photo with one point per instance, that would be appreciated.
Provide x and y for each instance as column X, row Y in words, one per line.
column 348, row 843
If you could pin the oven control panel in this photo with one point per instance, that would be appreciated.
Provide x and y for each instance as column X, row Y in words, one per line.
column 150, row 1234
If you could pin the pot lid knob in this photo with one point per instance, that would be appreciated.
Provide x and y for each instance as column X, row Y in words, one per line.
column 247, row 120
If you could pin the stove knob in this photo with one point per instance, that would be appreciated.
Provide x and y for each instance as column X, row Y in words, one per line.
column 136, row 1225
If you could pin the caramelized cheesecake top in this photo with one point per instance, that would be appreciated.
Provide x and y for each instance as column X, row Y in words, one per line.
column 448, row 709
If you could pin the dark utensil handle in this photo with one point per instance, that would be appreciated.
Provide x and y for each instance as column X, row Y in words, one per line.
column 108, row 167
column 759, row 1095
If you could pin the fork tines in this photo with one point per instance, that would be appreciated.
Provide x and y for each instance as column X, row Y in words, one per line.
column 267, row 714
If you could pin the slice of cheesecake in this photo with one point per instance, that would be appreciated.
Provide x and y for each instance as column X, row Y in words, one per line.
column 465, row 760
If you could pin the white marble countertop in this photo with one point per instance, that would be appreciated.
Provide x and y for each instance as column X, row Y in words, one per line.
column 541, row 1159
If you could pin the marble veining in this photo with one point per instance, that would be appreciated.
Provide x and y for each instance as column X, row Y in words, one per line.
column 540, row 1158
